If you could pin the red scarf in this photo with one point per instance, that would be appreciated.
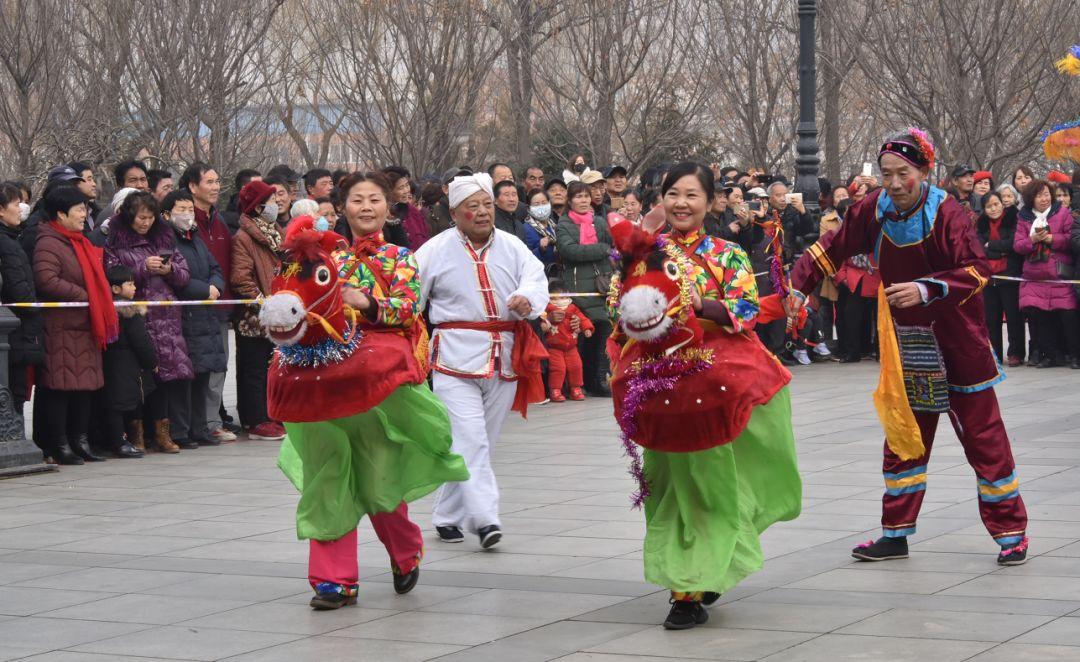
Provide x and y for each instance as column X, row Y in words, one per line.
column 998, row 265
column 587, row 235
column 104, row 323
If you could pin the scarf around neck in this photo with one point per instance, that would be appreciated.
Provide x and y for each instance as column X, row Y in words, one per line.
column 587, row 231
column 104, row 323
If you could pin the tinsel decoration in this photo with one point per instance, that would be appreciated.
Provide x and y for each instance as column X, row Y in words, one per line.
column 777, row 275
column 653, row 376
column 925, row 146
column 1062, row 142
column 1070, row 64
column 322, row 353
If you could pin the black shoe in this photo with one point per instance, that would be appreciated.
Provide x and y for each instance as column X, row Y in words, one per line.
column 231, row 427
column 450, row 534
column 599, row 391
column 885, row 549
column 332, row 596
column 489, row 536
column 685, row 614
column 850, row 359
column 207, row 441
column 1075, row 364
column 82, row 449
column 186, row 444
column 710, row 598
column 788, row 361
column 126, row 450
column 63, row 455
column 405, row 583
column 1014, row 555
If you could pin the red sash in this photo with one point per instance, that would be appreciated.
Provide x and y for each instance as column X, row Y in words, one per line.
column 528, row 353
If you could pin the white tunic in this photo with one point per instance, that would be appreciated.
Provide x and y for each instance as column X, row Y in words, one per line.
column 463, row 284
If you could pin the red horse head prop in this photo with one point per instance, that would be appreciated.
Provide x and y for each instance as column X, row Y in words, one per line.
column 654, row 297
column 306, row 306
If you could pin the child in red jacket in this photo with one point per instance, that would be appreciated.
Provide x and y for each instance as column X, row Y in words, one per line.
column 557, row 322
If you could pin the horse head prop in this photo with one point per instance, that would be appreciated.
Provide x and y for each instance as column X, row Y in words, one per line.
column 654, row 299
column 306, row 307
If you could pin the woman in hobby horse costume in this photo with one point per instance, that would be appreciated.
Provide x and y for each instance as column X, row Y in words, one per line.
column 695, row 387
column 365, row 433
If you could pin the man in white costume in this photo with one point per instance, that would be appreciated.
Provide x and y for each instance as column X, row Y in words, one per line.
column 481, row 286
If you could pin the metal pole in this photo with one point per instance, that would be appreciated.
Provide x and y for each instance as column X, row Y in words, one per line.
column 806, row 147
column 17, row 455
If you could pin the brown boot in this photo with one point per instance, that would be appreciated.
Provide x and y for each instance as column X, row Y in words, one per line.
column 135, row 435
column 163, row 442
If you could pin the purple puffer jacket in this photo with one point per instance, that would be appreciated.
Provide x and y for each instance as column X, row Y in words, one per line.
column 163, row 323
column 1057, row 265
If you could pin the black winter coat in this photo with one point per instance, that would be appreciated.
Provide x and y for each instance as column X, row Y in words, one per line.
column 202, row 324
column 28, row 340
column 129, row 361
column 1003, row 247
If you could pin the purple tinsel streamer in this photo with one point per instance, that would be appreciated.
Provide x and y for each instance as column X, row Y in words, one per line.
column 654, row 377
column 777, row 276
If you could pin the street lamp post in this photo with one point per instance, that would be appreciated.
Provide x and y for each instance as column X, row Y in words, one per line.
column 806, row 148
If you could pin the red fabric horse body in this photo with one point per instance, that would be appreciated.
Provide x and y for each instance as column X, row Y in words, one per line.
column 329, row 363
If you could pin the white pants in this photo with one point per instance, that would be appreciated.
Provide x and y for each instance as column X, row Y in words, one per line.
column 478, row 409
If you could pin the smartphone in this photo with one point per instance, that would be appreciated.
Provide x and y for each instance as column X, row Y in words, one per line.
column 165, row 257
column 867, row 170
column 791, row 198
column 754, row 205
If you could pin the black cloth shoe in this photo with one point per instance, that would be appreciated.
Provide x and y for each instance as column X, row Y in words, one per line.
column 850, row 359
column 405, row 583
column 599, row 391
column 489, row 535
column 710, row 598
column 332, row 596
column 63, row 455
column 685, row 614
column 186, row 444
column 207, row 441
column 82, row 449
column 231, row 427
column 126, row 450
column 885, row 549
column 450, row 534
column 787, row 360
column 1014, row 555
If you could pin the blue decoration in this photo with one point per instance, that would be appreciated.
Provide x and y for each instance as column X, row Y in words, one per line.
column 1060, row 127
column 322, row 353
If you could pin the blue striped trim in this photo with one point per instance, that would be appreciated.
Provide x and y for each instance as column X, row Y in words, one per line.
column 1010, row 541
column 998, row 483
column 940, row 283
column 975, row 388
column 897, row 533
column 921, row 487
column 998, row 497
column 906, row 474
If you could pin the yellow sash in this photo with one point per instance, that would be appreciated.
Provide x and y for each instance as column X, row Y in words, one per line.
column 890, row 399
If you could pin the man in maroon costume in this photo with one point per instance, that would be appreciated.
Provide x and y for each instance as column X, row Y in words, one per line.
column 933, row 271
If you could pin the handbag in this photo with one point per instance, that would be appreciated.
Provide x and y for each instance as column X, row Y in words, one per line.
column 603, row 282
column 925, row 381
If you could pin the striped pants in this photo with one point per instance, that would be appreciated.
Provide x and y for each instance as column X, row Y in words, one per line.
column 977, row 421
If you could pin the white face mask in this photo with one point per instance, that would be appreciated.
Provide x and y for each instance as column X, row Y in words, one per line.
column 540, row 212
column 182, row 220
column 270, row 211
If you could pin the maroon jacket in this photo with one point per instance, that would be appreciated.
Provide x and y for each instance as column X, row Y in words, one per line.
column 215, row 234
column 72, row 359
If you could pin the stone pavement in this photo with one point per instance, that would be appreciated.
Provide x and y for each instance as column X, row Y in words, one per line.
column 194, row 557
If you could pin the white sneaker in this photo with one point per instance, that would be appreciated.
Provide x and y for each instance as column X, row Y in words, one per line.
column 223, row 435
column 802, row 357
column 821, row 349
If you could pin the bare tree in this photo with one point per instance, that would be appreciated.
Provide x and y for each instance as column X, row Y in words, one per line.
column 32, row 73
column 407, row 75
column 978, row 74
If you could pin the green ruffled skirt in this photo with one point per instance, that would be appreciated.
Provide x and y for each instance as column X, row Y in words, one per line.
column 708, row 508
column 349, row 467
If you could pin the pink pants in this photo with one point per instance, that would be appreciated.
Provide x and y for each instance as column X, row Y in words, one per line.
column 335, row 560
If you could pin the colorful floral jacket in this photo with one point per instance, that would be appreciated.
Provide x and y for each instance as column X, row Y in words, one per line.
column 395, row 288
column 731, row 270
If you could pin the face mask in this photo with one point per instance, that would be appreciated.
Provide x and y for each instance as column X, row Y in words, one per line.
column 579, row 168
column 270, row 211
column 24, row 211
column 321, row 224
column 183, row 220
column 540, row 212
